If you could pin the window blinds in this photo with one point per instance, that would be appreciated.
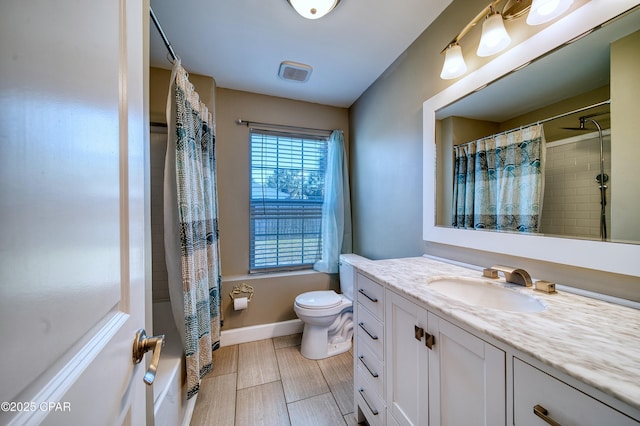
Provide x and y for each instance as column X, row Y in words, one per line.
column 287, row 191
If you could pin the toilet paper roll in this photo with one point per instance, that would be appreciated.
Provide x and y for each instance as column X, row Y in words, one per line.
column 240, row 303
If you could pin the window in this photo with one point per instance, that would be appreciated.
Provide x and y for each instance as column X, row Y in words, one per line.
column 287, row 192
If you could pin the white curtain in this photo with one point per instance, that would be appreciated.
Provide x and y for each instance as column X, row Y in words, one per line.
column 336, row 208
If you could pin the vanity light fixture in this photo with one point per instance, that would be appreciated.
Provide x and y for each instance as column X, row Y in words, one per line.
column 313, row 9
column 547, row 10
column 454, row 65
column 494, row 37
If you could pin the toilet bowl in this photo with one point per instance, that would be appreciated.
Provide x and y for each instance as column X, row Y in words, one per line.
column 328, row 316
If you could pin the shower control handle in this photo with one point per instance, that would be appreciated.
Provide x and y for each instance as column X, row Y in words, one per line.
column 143, row 344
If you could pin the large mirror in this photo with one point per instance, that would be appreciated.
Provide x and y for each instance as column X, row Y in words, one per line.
column 589, row 75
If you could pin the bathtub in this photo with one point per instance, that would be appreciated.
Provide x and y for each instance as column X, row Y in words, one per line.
column 170, row 406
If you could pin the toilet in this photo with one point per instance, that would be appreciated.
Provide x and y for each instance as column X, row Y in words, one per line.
column 328, row 316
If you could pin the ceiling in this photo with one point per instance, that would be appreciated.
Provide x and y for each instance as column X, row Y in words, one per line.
column 241, row 43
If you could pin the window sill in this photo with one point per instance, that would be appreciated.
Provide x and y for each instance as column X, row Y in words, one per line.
column 248, row 277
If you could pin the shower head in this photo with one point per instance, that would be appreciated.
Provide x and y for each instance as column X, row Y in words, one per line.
column 583, row 119
column 582, row 126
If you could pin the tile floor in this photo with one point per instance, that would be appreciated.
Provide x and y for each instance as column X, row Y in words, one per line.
column 268, row 382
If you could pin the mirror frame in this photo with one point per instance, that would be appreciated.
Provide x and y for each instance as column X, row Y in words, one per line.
column 611, row 257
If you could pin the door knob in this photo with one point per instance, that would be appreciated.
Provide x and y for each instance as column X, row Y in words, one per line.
column 141, row 345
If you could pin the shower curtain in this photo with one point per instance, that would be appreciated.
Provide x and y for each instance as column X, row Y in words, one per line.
column 336, row 207
column 191, row 226
column 499, row 181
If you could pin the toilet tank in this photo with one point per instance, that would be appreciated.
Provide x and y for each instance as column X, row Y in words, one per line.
column 348, row 274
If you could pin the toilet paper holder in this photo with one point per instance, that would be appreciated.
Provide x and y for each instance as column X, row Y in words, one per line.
column 241, row 289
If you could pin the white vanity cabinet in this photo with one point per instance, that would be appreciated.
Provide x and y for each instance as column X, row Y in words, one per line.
column 539, row 398
column 414, row 365
column 437, row 373
column 369, row 344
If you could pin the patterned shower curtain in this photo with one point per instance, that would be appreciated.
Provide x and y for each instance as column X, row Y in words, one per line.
column 499, row 181
column 191, row 226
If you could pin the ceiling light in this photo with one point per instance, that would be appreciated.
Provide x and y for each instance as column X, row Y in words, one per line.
column 494, row 36
column 454, row 65
column 546, row 10
column 313, row 9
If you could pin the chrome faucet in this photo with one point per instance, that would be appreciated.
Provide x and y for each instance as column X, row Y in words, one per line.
column 514, row 275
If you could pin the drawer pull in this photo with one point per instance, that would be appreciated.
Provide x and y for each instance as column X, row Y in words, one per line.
column 373, row 410
column 418, row 332
column 373, row 373
column 542, row 412
column 430, row 340
column 373, row 336
column 373, row 299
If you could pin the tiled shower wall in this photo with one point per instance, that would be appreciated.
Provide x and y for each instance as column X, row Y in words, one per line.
column 571, row 203
column 158, row 143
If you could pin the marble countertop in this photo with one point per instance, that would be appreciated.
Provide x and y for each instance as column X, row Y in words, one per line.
column 593, row 341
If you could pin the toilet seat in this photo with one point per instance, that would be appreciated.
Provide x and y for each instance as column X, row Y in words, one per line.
column 319, row 299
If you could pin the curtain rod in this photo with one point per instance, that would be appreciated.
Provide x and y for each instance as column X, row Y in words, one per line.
column 575, row 111
column 163, row 35
column 248, row 123
column 544, row 120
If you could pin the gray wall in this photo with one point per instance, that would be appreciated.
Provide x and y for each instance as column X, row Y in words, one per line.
column 386, row 141
column 386, row 160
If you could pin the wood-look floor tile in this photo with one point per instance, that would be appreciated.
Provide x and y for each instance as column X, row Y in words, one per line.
column 286, row 341
column 262, row 405
column 350, row 420
column 225, row 360
column 301, row 377
column 216, row 403
column 338, row 371
column 319, row 410
column 257, row 364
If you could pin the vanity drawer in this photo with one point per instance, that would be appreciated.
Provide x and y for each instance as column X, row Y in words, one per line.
column 564, row 404
column 369, row 401
column 371, row 295
column 370, row 331
column 371, row 365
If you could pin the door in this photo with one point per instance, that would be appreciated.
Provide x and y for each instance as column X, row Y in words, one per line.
column 467, row 384
column 72, row 211
column 407, row 361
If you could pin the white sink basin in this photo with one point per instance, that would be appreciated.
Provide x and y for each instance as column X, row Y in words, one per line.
column 484, row 293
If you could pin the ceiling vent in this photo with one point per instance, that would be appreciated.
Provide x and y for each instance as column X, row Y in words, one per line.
column 294, row 71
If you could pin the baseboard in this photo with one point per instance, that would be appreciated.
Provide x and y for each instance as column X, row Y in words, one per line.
column 260, row 332
column 188, row 412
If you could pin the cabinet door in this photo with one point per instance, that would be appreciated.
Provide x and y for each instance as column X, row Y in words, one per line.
column 406, row 358
column 467, row 384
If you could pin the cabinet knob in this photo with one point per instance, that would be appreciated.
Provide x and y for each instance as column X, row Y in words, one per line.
column 418, row 332
column 430, row 340
column 542, row 412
